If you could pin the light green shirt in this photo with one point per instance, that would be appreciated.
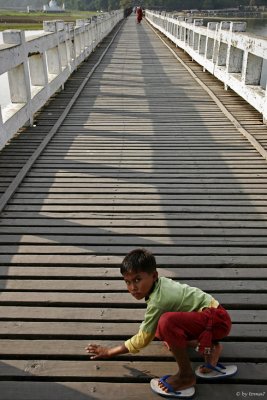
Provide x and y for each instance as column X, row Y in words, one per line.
column 168, row 295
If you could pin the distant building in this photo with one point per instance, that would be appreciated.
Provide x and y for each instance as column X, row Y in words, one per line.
column 53, row 7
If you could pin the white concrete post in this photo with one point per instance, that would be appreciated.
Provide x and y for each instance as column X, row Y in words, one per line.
column 220, row 48
column 62, row 44
column 196, row 36
column 38, row 70
column 188, row 32
column 52, row 55
column 253, row 69
column 80, row 24
column 18, row 77
column 77, row 41
column 87, row 36
column 234, row 56
column 202, row 44
column 63, row 54
column 264, row 112
column 69, row 26
column 212, row 26
column 3, row 133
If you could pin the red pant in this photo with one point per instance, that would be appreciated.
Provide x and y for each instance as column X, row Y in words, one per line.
column 176, row 328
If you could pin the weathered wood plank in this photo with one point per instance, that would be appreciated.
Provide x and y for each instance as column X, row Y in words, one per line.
column 181, row 249
column 16, row 390
column 91, row 285
column 230, row 300
column 24, row 313
column 123, row 370
column 87, row 272
column 97, row 260
column 211, row 244
column 75, row 349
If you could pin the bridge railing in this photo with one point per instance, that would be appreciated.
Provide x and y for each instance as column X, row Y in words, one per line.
column 223, row 49
column 39, row 65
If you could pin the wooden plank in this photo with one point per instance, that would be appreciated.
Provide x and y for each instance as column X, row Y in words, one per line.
column 202, row 248
column 104, row 272
column 25, row 313
column 232, row 301
column 16, row 390
column 91, row 285
column 121, row 226
column 134, row 371
column 210, row 244
column 75, row 349
column 138, row 215
column 98, row 260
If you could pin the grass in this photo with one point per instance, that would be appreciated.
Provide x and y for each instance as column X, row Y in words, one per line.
column 72, row 14
column 34, row 21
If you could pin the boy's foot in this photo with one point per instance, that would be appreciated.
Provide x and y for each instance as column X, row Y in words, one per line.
column 212, row 358
column 169, row 391
column 177, row 383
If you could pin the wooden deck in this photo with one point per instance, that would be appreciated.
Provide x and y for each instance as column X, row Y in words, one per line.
column 145, row 157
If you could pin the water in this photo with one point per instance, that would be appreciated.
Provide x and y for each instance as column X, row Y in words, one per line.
column 257, row 26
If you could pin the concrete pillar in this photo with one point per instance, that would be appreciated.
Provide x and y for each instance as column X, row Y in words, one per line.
column 234, row 64
column 70, row 42
column 238, row 26
column 202, row 44
column 53, row 61
column 77, row 41
column 252, row 75
column 220, row 48
column 52, row 55
column 213, row 26
column 87, row 34
column 81, row 24
column 196, row 38
column 38, row 70
column 18, row 77
column 4, row 136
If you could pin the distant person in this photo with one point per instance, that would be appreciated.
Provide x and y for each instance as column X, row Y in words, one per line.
column 139, row 14
column 181, row 316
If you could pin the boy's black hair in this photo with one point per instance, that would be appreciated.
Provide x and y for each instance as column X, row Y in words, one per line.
column 139, row 260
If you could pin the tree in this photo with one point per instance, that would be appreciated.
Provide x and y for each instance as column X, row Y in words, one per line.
column 208, row 5
column 125, row 3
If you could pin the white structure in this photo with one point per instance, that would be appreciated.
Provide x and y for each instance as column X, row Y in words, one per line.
column 53, row 7
column 223, row 49
column 39, row 65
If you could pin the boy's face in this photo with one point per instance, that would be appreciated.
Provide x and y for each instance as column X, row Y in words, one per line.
column 139, row 284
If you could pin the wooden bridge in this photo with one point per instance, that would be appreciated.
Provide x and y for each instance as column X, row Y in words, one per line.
column 148, row 151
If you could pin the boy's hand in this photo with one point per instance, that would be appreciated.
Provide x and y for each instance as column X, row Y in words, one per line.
column 97, row 351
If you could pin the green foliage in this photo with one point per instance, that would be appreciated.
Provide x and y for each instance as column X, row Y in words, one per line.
column 105, row 5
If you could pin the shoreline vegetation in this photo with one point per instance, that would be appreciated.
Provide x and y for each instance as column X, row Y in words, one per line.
column 34, row 20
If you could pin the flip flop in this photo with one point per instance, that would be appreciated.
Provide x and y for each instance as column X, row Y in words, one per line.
column 219, row 372
column 180, row 394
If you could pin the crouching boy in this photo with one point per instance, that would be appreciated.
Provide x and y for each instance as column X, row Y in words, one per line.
column 179, row 315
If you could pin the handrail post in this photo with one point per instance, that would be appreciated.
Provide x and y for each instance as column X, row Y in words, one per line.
column 19, row 76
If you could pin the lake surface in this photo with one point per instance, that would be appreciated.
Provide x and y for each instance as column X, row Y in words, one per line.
column 257, row 26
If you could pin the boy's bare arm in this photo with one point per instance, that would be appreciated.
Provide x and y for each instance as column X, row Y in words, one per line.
column 97, row 351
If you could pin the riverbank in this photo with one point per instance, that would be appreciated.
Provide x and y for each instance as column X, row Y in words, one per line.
column 34, row 20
